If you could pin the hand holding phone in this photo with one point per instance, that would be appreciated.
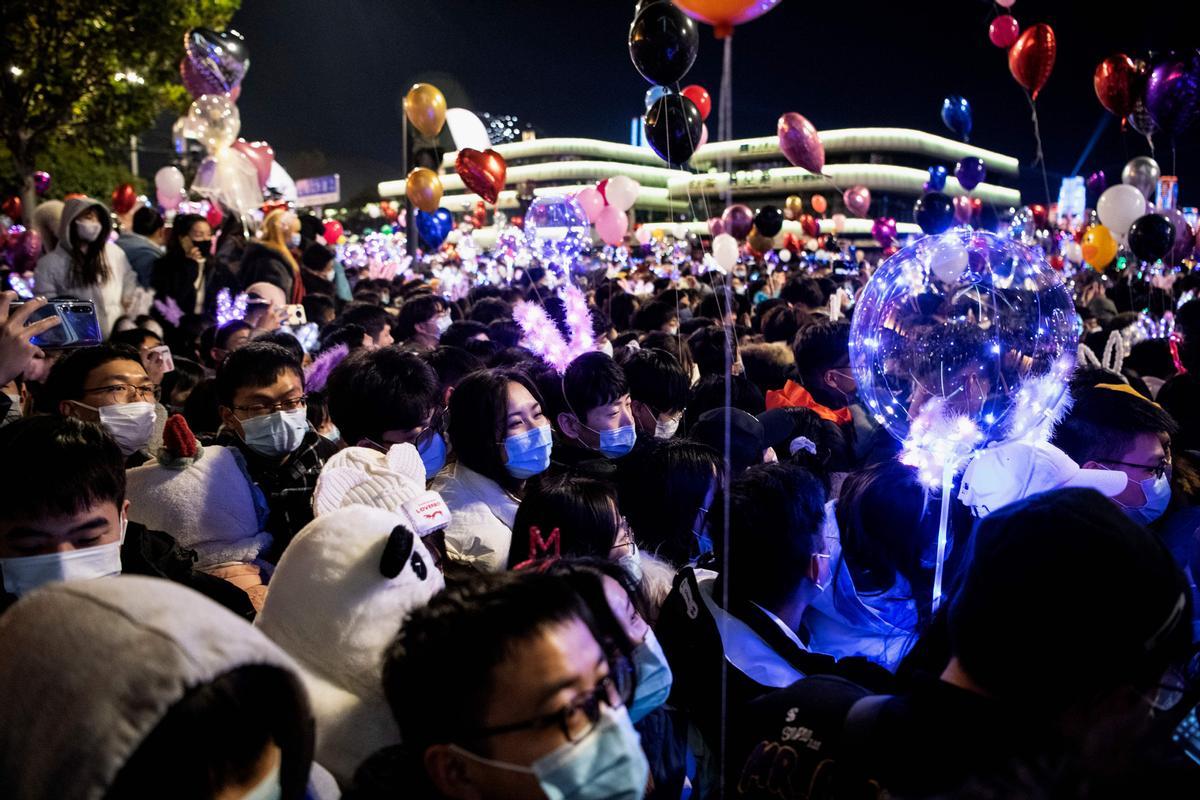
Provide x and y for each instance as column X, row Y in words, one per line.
column 17, row 333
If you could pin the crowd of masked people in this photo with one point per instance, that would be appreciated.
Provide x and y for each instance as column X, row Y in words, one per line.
column 409, row 558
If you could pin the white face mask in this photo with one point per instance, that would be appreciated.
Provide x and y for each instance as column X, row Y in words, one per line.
column 294, row 240
column 87, row 230
column 130, row 424
column 443, row 322
column 605, row 347
column 23, row 574
column 666, row 429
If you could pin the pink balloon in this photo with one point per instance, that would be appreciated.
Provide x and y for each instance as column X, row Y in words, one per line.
column 261, row 155
column 800, row 142
column 611, row 225
column 643, row 235
column 963, row 210
column 839, row 222
column 857, row 199
column 703, row 136
column 169, row 201
column 716, row 226
column 1004, row 30
column 1005, row 3
column 591, row 201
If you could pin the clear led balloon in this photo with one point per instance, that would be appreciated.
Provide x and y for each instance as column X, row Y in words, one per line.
column 976, row 325
column 556, row 230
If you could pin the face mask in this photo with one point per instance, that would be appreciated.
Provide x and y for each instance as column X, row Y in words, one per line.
column 1158, row 496
column 204, row 246
column 433, row 455
column 129, row 423
column 269, row 788
column 614, row 444
column 88, row 231
column 631, row 562
column 607, row 763
column 277, row 434
column 653, row 678
column 673, row 330
column 333, row 434
column 606, row 348
column 528, row 453
column 666, row 429
column 26, row 573
column 294, row 240
column 443, row 322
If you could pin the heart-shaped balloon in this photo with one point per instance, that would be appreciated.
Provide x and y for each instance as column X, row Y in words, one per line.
column 214, row 61
column 482, row 171
column 435, row 227
column 261, row 155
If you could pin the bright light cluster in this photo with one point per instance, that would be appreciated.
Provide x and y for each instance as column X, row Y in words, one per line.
column 542, row 336
column 230, row 308
column 939, row 441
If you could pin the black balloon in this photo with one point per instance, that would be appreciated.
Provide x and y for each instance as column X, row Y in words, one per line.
column 1151, row 237
column 663, row 42
column 769, row 220
column 934, row 212
column 673, row 126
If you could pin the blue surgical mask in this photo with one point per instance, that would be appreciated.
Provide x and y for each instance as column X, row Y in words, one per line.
column 653, row 678
column 1158, row 497
column 528, row 453
column 433, row 455
column 277, row 434
column 614, row 444
column 607, row 764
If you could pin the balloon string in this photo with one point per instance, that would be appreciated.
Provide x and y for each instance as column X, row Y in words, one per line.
column 948, row 470
column 725, row 122
column 1041, row 156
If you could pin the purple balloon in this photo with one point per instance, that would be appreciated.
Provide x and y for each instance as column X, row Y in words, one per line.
column 970, row 172
column 937, row 179
column 1097, row 182
column 218, row 60
column 41, row 181
column 1173, row 96
column 884, row 231
column 738, row 219
column 1184, row 237
column 715, row 226
column 800, row 143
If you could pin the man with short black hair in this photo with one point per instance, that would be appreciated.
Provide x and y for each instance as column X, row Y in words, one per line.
column 376, row 321
column 378, row 398
column 659, row 391
column 592, row 411
column 827, row 386
column 537, row 708
column 260, row 393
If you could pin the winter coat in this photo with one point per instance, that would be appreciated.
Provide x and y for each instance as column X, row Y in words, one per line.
column 53, row 274
column 482, row 515
column 142, row 253
column 263, row 263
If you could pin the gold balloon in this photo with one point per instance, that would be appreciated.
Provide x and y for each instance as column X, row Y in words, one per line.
column 425, row 107
column 424, row 189
column 794, row 207
column 1099, row 247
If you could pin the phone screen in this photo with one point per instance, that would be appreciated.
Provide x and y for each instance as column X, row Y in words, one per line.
column 1187, row 734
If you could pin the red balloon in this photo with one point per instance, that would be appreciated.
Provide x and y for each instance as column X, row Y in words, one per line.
column 699, row 95
column 123, row 198
column 12, row 208
column 809, row 224
column 1118, row 84
column 482, row 172
column 333, row 231
column 261, row 155
column 602, row 188
column 1040, row 215
column 214, row 216
column 1031, row 59
column 1056, row 261
column 1004, row 30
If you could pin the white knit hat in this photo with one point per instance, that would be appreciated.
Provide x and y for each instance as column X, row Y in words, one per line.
column 394, row 481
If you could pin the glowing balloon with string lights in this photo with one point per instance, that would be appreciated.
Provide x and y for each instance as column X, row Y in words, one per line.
column 965, row 327
column 556, row 229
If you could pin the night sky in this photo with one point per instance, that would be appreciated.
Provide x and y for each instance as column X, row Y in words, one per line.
column 326, row 78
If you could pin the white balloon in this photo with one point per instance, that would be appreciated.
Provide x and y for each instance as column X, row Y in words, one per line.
column 948, row 260
column 725, row 251
column 839, row 222
column 622, row 192
column 680, row 232
column 1073, row 252
column 467, row 130
column 1119, row 207
column 169, row 180
column 785, row 256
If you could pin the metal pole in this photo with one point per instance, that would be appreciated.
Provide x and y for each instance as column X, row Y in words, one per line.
column 133, row 155
column 410, row 243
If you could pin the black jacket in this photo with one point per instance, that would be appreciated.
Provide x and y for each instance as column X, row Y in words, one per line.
column 262, row 263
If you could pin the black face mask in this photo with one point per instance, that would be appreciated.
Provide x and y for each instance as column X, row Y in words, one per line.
column 204, row 246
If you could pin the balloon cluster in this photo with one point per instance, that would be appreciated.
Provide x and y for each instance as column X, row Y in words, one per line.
column 1164, row 95
column 663, row 43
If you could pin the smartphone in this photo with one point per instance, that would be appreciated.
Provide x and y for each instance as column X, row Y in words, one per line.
column 1187, row 735
column 79, row 326
column 164, row 354
column 294, row 315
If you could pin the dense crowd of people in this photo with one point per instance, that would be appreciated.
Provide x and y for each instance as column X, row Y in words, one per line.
column 389, row 550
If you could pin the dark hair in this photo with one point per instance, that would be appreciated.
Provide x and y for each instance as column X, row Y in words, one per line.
column 505, row 332
column 478, row 417
column 586, row 576
column 70, row 373
column 592, row 380
column 820, row 346
column 782, row 323
column 710, row 393
column 338, row 333
column 656, row 379
column 236, row 715
column 461, row 332
column 803, row 291
column 662, row 492
column 675, row 345
column 225, row 332
column 55, row 466
column 490, row 309
column 318, row 305
column 256, row 365
column 582, row 509
column 459, row 639
column 133, row 338
column 1103, row 423
column 90, row 268
column 147, row 221
column 184, row 378
column 653, row 316
column 371, row 319
column 1187, row 324
column 1151, row 358
column 767, row 366
column 776, row 511
column 373, row 391
column 180, row 227
column 708, row 349
column 416, row 310
column 621, row 308
column 201, row 408
column 451, row 364
column 286, row 340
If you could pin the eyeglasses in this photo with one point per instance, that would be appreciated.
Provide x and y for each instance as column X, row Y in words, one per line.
column 259, row 409
column 435, row 426
column 624, row 536
column 1158, row 470
column 579, row 718
column 127, row 392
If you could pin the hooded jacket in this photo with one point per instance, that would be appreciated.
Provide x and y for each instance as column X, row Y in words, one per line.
column 53, row 273
column 263, row 263
column 90, row 668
